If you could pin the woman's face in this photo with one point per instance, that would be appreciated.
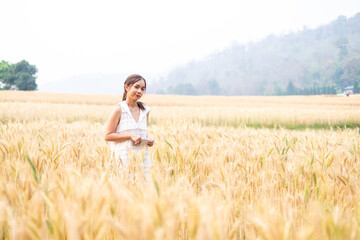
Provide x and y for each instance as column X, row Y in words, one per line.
column 136, row 91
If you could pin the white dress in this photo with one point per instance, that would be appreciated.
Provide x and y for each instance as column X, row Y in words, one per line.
column 127, row 125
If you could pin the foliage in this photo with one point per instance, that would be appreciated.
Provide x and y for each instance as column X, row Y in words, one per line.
column 18, row 76
column 342, row 45
column 213, row 87
column 183, row 89
column 4, row 66
column 290, row 89
column 314, row 90
column 357, row 85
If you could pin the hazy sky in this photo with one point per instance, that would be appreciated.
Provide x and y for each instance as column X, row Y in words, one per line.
column 75, row 37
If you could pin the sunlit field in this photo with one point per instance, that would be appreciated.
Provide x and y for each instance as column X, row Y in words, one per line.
column 222, row 168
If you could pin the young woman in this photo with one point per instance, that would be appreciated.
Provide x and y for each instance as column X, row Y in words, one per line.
column 127, row 126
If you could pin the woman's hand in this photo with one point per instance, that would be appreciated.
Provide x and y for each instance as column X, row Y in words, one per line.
column 136, row 139
column 151, row 142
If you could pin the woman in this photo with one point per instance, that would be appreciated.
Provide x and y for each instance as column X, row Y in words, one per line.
column 127, row 126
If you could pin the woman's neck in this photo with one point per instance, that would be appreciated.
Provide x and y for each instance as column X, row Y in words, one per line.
column 131, row 103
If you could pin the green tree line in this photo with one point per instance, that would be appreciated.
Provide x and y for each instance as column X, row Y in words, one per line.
column 18, row 76
column 291, row 89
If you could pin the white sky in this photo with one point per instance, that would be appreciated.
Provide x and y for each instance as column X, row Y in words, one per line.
column 64, row 38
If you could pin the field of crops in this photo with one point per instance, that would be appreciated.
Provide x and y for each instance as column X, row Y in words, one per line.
column 222, row 168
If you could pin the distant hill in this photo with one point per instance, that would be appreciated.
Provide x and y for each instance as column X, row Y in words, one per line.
column 328, row 56
column 90, row 84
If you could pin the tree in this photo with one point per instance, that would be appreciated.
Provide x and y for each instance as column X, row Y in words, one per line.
column 277, row 90
column 357, row 85
column 214, row 88
column 342, row 45
column 323, row 90
column 290, row 89
column 351, row 70
column 20, row 75
column 183, row 89
column 4, row 67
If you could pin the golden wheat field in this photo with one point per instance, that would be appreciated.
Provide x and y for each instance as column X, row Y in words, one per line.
column 222, row 168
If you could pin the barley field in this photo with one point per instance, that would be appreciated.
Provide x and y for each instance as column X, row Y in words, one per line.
column 222, row 168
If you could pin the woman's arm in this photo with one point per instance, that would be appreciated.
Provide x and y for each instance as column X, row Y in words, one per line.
column 111, row 135
column 150, row 143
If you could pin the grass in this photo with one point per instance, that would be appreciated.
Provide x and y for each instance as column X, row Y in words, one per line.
column 218, row 171
column 300, row 112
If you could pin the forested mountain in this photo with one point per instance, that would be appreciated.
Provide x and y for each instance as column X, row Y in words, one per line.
column 295, row 63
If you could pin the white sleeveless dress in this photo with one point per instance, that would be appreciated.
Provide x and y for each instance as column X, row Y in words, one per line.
column 127, row 125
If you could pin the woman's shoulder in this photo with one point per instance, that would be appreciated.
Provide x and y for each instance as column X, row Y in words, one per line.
column 147, row 108
column 122, row 106
column 116, row 112
column 118, row 107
